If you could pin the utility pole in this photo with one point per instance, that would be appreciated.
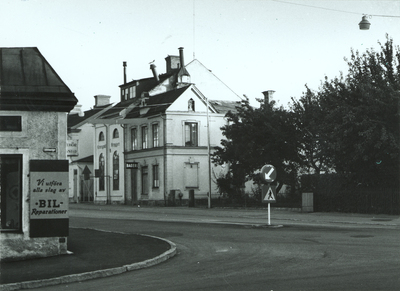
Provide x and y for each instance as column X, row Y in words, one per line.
column 208, row 156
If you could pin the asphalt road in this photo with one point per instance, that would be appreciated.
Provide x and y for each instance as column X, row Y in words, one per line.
column 214, row 256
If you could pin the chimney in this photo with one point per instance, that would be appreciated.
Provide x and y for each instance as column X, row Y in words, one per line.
column 268, row 96
column 101, row 100
column 172, row 63
column 153, row 69
column 77, row 110
column 181, row 57
column 124, row 65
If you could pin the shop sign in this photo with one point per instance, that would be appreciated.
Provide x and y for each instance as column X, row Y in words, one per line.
column 72, row 147
column 131, row 165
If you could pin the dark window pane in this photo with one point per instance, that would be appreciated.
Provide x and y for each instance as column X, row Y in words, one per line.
column 10, row 123
column 11, row 192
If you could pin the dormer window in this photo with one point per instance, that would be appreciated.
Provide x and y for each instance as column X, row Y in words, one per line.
column 143, row 102
column 185, row 79
column 132, row 92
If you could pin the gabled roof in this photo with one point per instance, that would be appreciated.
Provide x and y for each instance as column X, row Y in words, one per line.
column 146, row 84
column 29, row 83
column 209, row 84
column 74, row 119
column 157, row 104
column 115, row 112
column 223, row 107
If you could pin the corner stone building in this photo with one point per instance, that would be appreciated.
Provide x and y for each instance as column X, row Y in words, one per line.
column 34, row 103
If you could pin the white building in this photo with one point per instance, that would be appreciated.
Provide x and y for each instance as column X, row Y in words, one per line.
column 170, row 125
column 80, row 149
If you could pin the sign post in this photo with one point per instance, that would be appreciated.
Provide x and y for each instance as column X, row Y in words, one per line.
column 268, row 175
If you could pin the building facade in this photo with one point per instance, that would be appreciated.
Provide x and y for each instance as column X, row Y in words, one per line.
column 108, row 163
column 33, row 160
column 80, row 149
column 169, row 127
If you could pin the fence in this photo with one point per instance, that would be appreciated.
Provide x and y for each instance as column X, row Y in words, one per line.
column 332, row 193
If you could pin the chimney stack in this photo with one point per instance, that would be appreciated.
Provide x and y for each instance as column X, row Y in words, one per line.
column 181, row 57
column 124, row 64
column 153, row 69
column 101, row 100
column 268, row 96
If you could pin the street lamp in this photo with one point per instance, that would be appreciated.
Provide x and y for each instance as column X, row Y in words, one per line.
column 364, row 24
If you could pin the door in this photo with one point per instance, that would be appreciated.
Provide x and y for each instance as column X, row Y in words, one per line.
column 11, row 192
column 134, row 187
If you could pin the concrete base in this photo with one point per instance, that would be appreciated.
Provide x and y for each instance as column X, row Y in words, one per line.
column 15, row 247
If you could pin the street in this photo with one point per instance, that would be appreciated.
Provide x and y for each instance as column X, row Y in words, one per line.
column 243, row 256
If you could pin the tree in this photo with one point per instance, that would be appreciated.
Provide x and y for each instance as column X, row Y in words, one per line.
column 255, row 137
column 362, row 116
column 308, row 119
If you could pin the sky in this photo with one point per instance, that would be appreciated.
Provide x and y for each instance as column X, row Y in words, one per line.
column 251, row 45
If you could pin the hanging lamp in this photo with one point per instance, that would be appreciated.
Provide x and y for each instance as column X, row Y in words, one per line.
column 364, row 24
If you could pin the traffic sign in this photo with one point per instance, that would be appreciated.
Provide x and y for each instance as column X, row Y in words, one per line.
column 268, row 173
column 269, row 194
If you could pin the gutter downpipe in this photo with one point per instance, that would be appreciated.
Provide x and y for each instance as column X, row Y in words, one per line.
column 108, row 164
column 165, row 157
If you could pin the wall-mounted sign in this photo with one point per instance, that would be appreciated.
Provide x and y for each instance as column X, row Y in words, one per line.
column 49, row 150
column 48, row 198
column 72, row 147
column 131, row 165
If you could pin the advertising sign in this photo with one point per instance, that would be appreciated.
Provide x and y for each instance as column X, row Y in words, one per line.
column 72, row 147
column 48, row 198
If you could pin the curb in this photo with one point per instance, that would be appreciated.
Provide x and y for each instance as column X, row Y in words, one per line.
column 95, row 274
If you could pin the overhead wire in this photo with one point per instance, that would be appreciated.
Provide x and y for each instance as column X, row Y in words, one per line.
column 331, row 9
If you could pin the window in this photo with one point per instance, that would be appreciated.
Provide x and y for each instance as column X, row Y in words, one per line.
column 10, row 123
column 11, row 192
column 191, row 175
column 101, row 170
column 115, row 133
column 144, row 137
column 115, row 171
column 132, row 92
column 191, row 105
column 156, row 181
column 101, row 136
column 145, row 183
column 134, row 138
column 155, row 135
column 191, row 132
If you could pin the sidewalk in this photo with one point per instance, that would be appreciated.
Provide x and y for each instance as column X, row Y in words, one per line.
column 236, row 216
column 95, row 254
column 87, row 244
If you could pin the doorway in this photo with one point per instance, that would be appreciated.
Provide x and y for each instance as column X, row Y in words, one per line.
column 134, row 196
